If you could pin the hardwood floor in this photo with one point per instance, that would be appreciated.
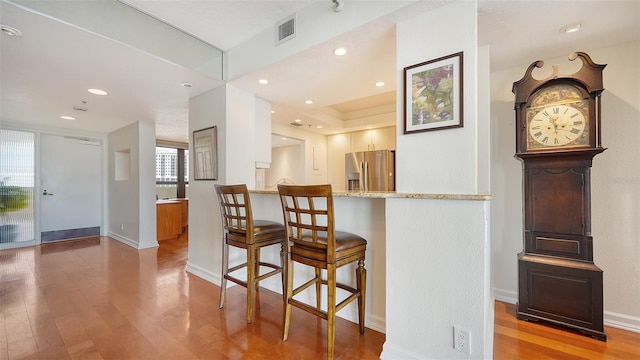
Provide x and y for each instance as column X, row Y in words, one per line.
column 524, row 340
column 97, row 298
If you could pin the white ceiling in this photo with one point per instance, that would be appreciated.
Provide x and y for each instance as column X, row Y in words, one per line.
column 46, row 72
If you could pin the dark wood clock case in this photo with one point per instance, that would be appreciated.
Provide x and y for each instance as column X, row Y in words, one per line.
column 558, row 281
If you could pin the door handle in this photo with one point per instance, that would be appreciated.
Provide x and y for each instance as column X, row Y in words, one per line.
column 46, row 193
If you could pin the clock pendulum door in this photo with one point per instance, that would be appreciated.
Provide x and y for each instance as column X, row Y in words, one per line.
column 557, row 138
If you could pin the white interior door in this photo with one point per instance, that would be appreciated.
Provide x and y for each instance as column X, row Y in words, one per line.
column 70, row 187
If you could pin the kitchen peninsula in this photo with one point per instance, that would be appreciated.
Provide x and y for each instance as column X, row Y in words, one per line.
column 171, row 218
column 368, row 215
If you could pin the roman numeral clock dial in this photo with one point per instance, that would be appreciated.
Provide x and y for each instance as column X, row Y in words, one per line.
column 556, row 125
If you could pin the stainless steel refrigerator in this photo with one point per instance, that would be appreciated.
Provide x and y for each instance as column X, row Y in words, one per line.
column 370, row 171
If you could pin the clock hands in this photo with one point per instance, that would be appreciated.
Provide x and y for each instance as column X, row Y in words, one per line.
column 557, row 125
column 552, row 120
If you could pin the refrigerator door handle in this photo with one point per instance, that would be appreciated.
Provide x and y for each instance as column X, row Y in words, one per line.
column 365, row 174
column 361, row 176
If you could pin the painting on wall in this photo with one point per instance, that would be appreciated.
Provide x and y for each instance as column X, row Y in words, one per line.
column 205, row 161
column 433, row 94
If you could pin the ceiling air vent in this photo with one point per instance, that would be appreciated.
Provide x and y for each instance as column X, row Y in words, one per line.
column 286, row 29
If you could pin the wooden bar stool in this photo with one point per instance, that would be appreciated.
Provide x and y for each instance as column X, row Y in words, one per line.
column 312, row 240
column 242, row 231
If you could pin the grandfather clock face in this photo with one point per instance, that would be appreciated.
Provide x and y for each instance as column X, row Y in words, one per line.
column 557, row 117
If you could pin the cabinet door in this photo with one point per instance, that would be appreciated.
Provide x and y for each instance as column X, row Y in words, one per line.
column 361, row 141
column 383, row 138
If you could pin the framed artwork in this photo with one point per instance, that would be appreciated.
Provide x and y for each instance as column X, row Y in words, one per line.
column 205, row 159
column 433, row 94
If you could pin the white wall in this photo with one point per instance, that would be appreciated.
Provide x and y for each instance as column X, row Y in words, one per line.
column 446, row 158
column 615, row 182
column 311, row 173
column 205, row 229
column 285, row 165
column 262, row 126
column 132, row 202
column 435, row 278
column 437, row 250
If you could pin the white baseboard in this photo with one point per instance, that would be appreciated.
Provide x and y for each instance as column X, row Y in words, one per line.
column 148, row 245
column 204, row 273
column 373, row 322
column 616, row 320
column 622, row 321
column 378, row 324
column 124, row 240
column 390, row 352
column 134, row 244
column 510, row 297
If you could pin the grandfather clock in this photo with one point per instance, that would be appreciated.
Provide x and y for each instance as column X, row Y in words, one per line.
column 557, row 136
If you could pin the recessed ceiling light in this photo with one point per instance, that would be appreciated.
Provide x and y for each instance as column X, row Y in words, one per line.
column 309, row 102
column 67, row 117
column 11, row 31
column 340, row 51
column 186, row 84
column 263, row 81
column 97, row 92
column 572, row 28
column 298, row 120
column 380, row 83
column 273, row 111
column 319, row 127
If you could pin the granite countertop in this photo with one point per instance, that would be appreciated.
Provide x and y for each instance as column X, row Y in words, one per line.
column 166, row 201
column 393, row 194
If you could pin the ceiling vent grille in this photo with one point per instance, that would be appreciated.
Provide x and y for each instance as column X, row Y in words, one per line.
column 286, row 29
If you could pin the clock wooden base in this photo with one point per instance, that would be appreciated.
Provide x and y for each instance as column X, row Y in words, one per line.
column 563, row 292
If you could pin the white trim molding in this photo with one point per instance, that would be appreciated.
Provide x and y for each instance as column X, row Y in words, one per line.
column 391, row 352
column 613, row 319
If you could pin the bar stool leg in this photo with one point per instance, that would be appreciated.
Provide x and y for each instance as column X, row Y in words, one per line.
column 361, row 280
column 318, row 288
column 331, row 309
column 256, row 273
column 225, row 269
column 283, row 264
column 288, row 295
column 251, row 283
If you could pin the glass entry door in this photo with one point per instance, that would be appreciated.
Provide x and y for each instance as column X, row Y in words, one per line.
column 17, row 159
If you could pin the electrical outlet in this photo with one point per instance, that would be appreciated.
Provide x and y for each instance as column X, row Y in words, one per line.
column 462, row 340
